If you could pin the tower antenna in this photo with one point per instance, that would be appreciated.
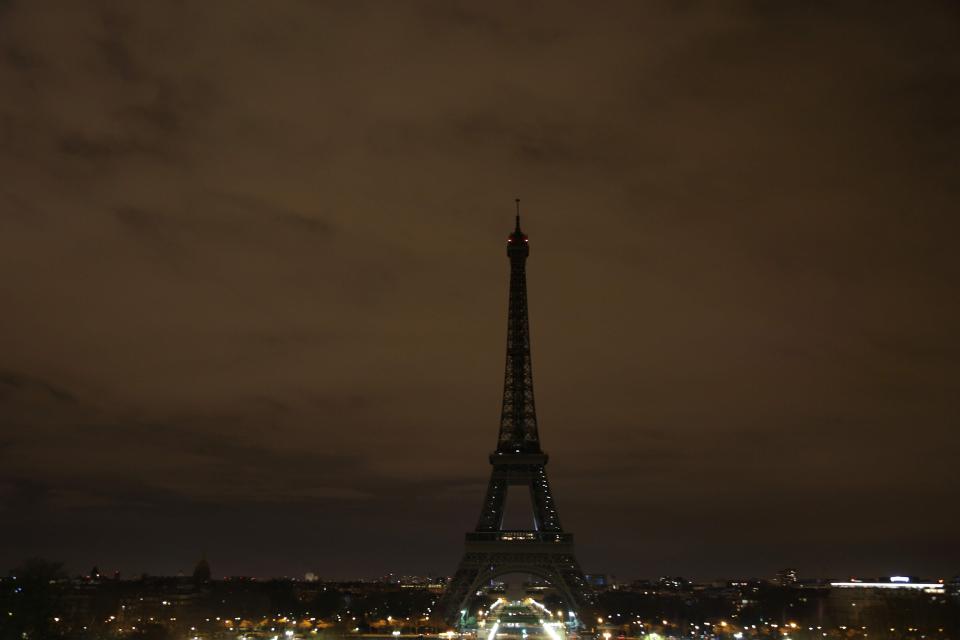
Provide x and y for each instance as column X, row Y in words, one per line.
column 517, row 200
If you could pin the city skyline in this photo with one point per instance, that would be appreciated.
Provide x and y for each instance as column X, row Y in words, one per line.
column 255, row 292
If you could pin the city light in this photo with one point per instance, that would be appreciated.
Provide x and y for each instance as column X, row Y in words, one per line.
column 548, row 627
column 928, row 587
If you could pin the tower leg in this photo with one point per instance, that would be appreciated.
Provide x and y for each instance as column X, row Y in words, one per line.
column 491, row 516
column 476, row 570
column 458, row 592
column 545, row 510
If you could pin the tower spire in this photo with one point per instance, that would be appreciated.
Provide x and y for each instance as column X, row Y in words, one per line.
column 518, row 215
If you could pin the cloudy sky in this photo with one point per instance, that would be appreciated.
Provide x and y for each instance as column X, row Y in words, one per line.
column 254, row 286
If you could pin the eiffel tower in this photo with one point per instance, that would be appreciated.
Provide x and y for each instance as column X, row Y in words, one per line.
column 546, row 551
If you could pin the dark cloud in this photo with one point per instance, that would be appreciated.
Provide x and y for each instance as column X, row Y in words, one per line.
column 21, row 495
column 15, row 382
column 252, row 270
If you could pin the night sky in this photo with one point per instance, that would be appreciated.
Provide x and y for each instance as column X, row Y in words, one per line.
column 254, row 284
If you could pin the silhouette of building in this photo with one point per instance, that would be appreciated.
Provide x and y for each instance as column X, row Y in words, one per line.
column 953, row 587
column 201, row 572
column 787, row 577
column 546, row 550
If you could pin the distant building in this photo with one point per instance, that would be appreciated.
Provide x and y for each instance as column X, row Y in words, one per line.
column 598, row 580
column 953, row 587
column 905, row 584
column 896, row 603
column 787, row 577
column 674, row 583
column 201, row 572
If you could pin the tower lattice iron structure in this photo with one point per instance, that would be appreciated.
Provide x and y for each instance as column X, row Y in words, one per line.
column 546, row 550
